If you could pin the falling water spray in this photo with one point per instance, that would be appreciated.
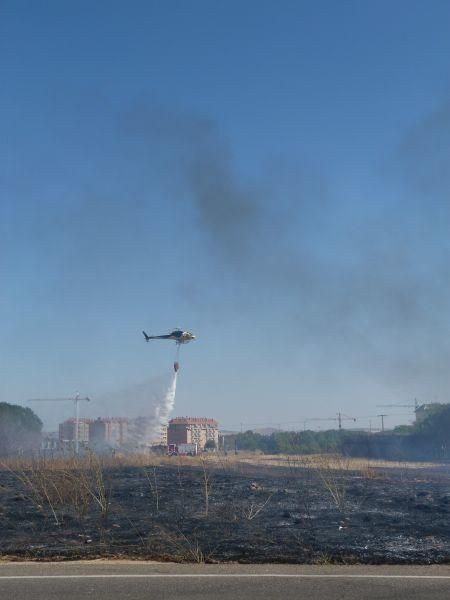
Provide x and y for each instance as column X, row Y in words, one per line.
column 166, row 407
column 149, row 430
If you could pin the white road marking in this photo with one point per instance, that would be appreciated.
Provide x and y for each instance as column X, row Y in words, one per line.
column 224, row 575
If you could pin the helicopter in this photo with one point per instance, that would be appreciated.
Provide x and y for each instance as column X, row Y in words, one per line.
column 177, row 335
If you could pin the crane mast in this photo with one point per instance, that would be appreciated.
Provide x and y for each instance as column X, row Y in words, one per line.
column 76, row 400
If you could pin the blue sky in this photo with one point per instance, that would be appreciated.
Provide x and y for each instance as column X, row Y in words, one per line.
column 272, row 175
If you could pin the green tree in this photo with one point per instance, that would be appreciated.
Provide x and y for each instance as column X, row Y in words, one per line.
column 20, row 429
column 433, row 432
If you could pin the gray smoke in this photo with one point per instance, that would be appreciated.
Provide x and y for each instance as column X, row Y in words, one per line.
column 198, row 166
column 383, row 306
column 424, row 158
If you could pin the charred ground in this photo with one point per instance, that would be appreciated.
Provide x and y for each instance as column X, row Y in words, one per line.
column 220, row 512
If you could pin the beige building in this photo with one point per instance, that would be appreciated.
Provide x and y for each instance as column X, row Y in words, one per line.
column 111, row 431
column 67, row 430
column 193, row 430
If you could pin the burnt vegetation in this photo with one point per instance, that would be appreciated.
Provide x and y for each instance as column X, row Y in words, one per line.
column 329, row 509
column 309, row 501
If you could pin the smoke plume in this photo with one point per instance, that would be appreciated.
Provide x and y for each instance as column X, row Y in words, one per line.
column 368, row 285
column 146, row 429
column 164, row 410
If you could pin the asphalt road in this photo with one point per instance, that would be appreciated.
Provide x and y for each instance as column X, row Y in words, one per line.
column 104, row 580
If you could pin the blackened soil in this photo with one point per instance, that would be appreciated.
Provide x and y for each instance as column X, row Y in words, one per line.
column 248, row 515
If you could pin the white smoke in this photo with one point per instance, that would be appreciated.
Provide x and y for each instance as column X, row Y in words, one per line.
column 148, row 406
column 147, row 429
column 165, row 409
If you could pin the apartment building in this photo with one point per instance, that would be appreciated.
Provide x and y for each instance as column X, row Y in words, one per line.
column 193, row 430
column 110, row 431
column 67, row 430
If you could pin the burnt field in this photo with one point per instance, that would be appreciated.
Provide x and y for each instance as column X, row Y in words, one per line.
column 218, row 511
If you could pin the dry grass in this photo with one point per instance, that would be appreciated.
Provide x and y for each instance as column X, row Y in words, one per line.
column 206, row 483
column 153, row 484
column 180, row 511
column 54, row 486
column 251, row 510
column 334, row 461
column 230, row 462
column 182, row 548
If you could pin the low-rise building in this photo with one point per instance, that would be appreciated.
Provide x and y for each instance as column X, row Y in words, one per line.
column 50, row 441
column 193, row 430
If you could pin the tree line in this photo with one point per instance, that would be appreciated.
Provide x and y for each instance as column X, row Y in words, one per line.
column 427, row 439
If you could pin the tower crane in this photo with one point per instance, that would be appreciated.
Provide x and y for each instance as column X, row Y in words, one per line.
column 341, row 417
column 415, row 406
column 76, row 400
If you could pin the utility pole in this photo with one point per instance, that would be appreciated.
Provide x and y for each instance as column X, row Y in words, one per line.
column 382, row 422
column 414, row 406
